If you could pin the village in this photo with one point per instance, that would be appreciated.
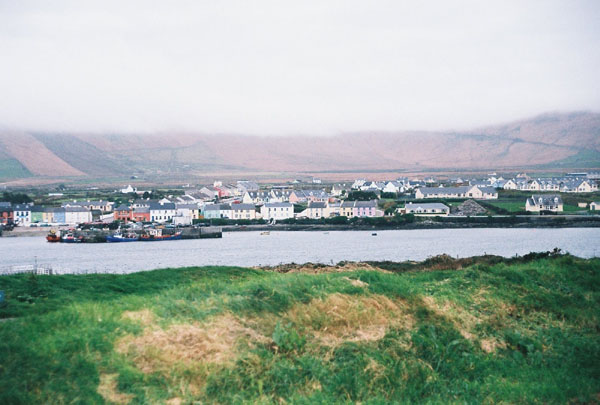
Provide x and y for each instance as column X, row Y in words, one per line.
column 247, row 202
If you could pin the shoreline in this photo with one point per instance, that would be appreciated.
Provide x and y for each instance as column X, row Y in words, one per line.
column 565, row 221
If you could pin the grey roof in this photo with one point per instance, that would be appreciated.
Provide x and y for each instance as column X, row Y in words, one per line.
column 278, row 205
column 122, row 207
column 22, row 207
column 155, row 206
column 141, row 210
column 359, row 204
column 100, row 202
column 242, row 207
column 189, row 206
column 5, row 204
column 254, row 194
column 545, row 200
column 76, row 209
column 248, row 185
column 426, row 206
column 445, row 190
column 488, row 190
column 367, row 204
column 217, row 207
column 317, row 204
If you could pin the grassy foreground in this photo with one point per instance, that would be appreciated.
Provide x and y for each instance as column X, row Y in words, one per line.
column 477, row 330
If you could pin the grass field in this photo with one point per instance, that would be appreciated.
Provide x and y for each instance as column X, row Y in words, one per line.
column 12, row 169
column 489, row 330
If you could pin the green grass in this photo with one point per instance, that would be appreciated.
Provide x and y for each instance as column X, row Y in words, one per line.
column 491, row 330
column 12, row 169
column 511, row 206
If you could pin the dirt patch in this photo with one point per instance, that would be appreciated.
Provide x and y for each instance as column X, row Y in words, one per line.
column 491, row 345
column 187, row 344
column 109, row 391
column 144, row 316
column 356, row 283
column 341, row 318
column 315, row 268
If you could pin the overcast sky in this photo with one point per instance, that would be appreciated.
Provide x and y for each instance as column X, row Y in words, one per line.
column 280, row 67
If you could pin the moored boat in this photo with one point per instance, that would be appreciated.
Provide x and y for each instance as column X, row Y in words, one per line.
column 118, row 237
column 53, row 236
column 71, row 238
column 156, row 236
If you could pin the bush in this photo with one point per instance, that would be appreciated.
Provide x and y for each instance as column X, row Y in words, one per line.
column 361, row 196
column 287, row 339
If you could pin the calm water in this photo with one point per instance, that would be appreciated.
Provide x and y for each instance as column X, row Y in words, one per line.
column 252, row 249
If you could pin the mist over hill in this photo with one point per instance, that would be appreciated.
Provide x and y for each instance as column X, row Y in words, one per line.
column 565, row 140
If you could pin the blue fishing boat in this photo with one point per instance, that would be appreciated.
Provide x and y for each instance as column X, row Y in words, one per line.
column 156, row 235
column 71, row 238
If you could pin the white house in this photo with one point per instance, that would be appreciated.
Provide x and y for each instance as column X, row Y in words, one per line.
column 280, row 195
column 538, row 203
column 185, row 214
column 128, row 189
column 22, row 214
column 392, row 187
column 77, row 215
column 425, row 209
column 277, row 211
column 243, row 211
column 213, row 211
column 477, row 192
column 595, row 206
column 162, row 212
column 315, row 210
column 255, row 197
column 358, row 184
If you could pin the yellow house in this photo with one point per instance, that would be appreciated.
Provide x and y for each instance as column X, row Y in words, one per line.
column 347, row 209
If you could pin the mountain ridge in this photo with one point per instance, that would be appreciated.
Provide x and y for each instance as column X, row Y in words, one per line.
column 533, row 142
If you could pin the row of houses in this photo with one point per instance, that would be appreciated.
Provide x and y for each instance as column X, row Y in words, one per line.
column 27, row 214
column 475, row 192
column 278, row 195
column 563, row 185
column 285, row 210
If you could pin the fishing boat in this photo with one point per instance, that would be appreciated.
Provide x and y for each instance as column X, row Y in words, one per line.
column 71, row 238
column 119, row 237
column 153, row 235
column 265, row 233
column 53, row 236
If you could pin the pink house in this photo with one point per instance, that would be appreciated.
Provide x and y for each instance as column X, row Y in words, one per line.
column 364, row 208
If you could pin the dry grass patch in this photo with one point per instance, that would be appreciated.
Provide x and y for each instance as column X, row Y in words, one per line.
column 144, row 316
column 490, row 345
column 356, row 283
column 109, row 391
column 340, row 317
column 462, row 319
column 466, row 322
column 187, row 344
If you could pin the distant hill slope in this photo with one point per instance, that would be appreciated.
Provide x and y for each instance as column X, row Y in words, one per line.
column 569, row 139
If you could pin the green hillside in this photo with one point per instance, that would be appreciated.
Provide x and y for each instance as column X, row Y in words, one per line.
column 482, row 330
column 11, row 169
